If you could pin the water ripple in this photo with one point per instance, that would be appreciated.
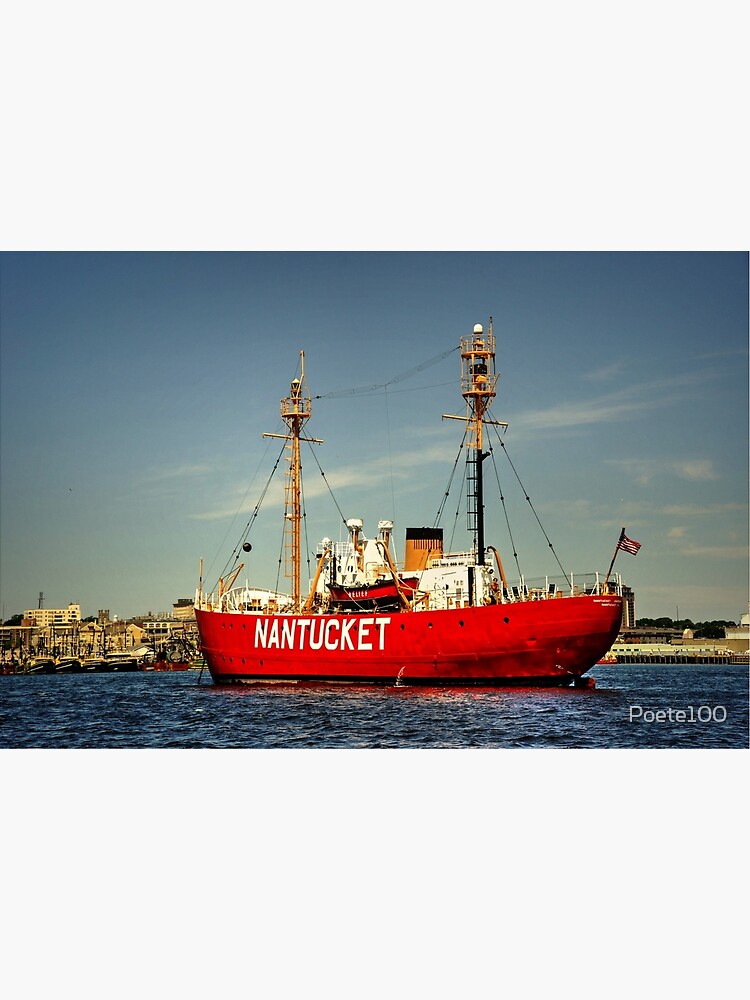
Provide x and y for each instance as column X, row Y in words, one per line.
column 171, row 711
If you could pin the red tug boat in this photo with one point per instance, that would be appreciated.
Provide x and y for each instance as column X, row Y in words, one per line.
column 441, row 618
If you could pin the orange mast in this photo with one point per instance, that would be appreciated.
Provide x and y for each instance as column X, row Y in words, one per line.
column 295, row 411
column 478, row 381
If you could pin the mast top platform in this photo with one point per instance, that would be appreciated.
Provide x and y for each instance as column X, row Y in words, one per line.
column 478, row 378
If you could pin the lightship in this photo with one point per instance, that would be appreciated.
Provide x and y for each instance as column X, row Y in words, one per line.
column 439, row 618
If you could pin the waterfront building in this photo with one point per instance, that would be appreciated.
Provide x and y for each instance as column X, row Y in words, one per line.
column 182, row 609
column 628, row 606
column 741, row 632
column 48, row 617
column 159, row 630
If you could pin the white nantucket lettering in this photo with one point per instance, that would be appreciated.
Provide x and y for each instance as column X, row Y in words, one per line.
column 287, row 633
column 346, row 642
column 273, row 638
column 330, row 624
column 324, row 632
column 304, row 623
column 316, row 641
column 364, row 630
column 380, row 626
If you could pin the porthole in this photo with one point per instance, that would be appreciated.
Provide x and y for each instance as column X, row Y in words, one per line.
column 506, row 620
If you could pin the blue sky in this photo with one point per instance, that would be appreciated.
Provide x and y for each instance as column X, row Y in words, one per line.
column 136, row 387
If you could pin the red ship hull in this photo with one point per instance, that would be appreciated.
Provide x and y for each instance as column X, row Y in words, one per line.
column 550, row 642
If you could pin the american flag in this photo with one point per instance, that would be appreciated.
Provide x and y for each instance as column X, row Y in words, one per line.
column 628, row 545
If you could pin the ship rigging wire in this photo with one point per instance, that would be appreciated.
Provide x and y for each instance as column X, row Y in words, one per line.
column 507, row 518
column 444, row 500
column 441, row 508
column 235, row 555
column 304, row 520
column 328, row 487
column 458, row 508
column 528, row 500
column 363, row 389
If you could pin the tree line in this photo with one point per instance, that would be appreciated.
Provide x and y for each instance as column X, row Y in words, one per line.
column 701, row 630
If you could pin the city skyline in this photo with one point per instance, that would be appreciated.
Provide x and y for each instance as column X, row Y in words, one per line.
column 137, row 387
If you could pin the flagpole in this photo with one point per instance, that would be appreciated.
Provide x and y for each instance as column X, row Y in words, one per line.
column 617, row 549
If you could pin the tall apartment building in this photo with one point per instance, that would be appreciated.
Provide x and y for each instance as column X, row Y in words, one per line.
column 182, row 609
column 628, row 607
column 45, row 617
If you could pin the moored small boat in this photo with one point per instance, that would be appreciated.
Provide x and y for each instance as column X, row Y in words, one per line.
column 69, row 665
column 121, row 664
column 41, row 665
column 381, row 594
column 167, row 665
column 99, row 665
column 609, row 657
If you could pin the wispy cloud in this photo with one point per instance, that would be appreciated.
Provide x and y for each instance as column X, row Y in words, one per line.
column 695, row 469
column 702, row 510
column 716, row 551
column 635, row 398
column 372, row 475
column 643, row 470
column 739, row 352
column 237, row 501
column 606, row 373
column 185, row 471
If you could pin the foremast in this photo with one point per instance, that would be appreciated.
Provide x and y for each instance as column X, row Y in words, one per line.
column 295, row 412
column 478, row 383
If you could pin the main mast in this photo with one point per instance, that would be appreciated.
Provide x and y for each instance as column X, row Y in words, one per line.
column 478, row 382
column 295, row 411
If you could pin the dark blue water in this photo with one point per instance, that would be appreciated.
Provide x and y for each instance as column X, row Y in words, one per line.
column 630, row 707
